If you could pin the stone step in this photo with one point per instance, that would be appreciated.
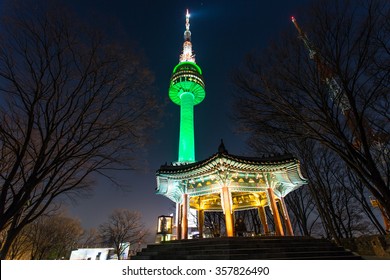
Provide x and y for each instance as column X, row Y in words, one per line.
column 264, row 254
column 241, row 242
column 244, row 239
column 226, row 249
column 264, row 245
column 318, row 256
column 246, row 248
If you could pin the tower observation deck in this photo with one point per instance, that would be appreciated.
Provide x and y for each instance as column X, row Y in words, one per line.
column 186, row 90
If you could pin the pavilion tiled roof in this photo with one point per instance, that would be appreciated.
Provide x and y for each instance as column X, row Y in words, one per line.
column 243, row 173
column 278, row 160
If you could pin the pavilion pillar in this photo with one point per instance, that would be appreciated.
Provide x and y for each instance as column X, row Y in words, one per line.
column 184, row 218
column 263, row 219
column 228, row 211
column 287, row 220
column 274, row 207
column 178, row 221
column 200, row 222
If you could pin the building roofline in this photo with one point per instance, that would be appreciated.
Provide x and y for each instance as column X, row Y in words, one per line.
column 266, row 160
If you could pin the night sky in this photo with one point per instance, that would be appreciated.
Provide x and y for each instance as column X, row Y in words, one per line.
column 222, row 33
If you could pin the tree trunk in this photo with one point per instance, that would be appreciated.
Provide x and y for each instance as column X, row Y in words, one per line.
column 10, row 237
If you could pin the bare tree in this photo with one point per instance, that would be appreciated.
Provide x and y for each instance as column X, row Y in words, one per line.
column 361, row 194
column 284, row 93
column 53, row 237
column 123, row 229
column 303, row 212
column 215, row 222
column 72, row 105
column 48, row 237
column 21, row 246
column 342, row 214
column 333, row 204
column 90, row 239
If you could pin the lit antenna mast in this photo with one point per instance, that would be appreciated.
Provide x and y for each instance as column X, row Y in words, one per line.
column 341, row 100
column 187, row 54
column 326, row 73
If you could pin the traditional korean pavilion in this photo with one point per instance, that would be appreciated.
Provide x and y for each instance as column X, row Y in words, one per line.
column 228, row 183
column 222, row 182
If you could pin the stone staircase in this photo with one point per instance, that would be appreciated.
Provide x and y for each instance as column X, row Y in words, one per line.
column 245, row 248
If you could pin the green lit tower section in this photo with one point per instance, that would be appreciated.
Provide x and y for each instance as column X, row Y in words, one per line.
column 186, row 90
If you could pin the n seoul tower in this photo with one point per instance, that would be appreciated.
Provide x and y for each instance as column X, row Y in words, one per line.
column 186, row 90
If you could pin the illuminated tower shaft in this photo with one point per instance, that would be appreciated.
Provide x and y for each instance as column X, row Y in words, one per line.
column 187, row 135
column 186, row 90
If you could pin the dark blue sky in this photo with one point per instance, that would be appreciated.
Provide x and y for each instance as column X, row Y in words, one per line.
column 222, row 33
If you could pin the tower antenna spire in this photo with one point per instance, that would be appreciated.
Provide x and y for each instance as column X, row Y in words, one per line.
column 187, row 32
column 187, row 54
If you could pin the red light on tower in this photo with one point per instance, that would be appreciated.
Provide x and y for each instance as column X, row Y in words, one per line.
column 293, row 19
